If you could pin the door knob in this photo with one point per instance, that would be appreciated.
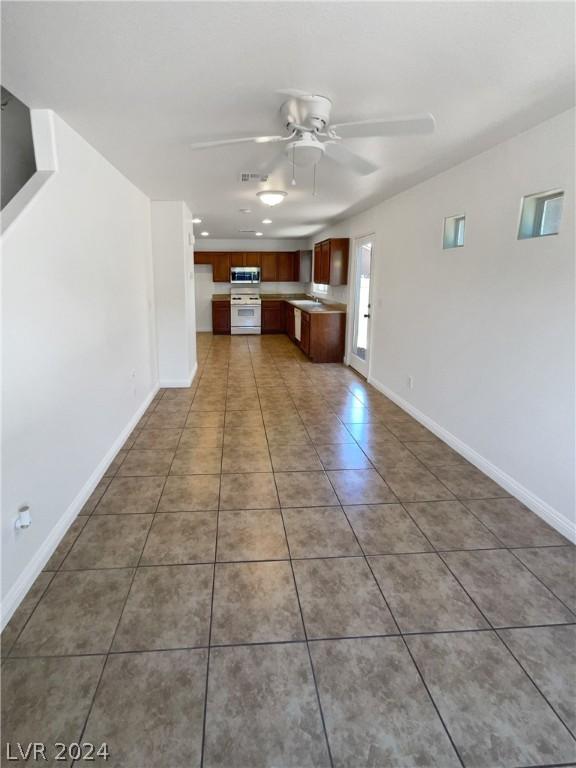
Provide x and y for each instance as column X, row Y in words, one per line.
column 366, row 315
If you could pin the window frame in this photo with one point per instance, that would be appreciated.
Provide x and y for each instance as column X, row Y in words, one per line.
column 530, row 222
column 454, row 226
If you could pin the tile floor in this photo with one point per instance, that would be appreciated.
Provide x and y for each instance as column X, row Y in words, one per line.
column 282, row 568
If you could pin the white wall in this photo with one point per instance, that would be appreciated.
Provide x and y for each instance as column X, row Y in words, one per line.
column 173, row 257
column 487, row 331
column 252, row 244
column 78, row 347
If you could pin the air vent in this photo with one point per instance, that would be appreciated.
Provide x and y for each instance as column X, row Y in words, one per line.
column 251, row 231
column 253, row 177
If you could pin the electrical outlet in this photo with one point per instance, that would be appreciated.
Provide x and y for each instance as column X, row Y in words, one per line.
column 410, row 382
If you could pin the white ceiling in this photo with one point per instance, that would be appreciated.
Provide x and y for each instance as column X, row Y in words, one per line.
column 141, row 79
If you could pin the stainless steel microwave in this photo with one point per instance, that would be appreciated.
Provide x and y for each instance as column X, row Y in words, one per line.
column 244, row 275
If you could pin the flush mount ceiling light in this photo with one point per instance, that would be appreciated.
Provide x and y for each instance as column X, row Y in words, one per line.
column 258, row 234
column 196, row 220
column 266, row 221
column 204, row 234
column 271, row 196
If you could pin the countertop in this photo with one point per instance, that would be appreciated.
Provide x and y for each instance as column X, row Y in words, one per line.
column 321, row 308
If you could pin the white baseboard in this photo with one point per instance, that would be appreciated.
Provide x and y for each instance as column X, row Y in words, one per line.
column 178, row 383
column 33, row 569
column 523, row 494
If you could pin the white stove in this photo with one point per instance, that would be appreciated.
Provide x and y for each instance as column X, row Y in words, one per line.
column 245, row 313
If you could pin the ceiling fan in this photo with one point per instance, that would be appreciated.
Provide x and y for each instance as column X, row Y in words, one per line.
column 310, row 135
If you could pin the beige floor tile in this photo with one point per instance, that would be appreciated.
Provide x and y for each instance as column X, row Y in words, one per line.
column 163, row 439
column 237, row 459
column 109, row 541
column 167, row 607
column 189, row 493
column 199, row 460
column 248, row 491
column 292, row 458
column 360, row 486
column 340, row 598
column 319, row 532
column 139, row 463
column 254, row 534
column 385, row 529
column 131, row 495
column 178, row 538
column 207, row 437
column 310, row 489
column 149, row 709
column 255, row 602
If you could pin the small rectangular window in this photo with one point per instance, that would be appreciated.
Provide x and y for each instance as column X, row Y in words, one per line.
column 541, row 214
column 319, row 288
column 454, row 227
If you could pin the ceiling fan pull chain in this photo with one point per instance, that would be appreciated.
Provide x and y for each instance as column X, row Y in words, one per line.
column 314, row 182
column 293, row 182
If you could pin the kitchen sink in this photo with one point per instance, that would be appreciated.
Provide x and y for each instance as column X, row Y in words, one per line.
column 306, row 303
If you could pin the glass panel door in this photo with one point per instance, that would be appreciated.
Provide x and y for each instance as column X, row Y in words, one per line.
column 359, row 353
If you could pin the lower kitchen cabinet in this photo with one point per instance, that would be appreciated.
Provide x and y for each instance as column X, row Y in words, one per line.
column 273, row 317
column 289, row 320
column 220, row 317
column 322, row 336
column 305, row 333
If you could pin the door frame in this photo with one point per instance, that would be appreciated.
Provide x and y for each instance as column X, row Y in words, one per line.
column 356, row 242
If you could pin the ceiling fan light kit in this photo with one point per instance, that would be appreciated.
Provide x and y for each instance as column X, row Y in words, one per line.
column 271, row 196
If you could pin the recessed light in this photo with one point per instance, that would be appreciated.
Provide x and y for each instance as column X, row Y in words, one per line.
column 271, row 196
column 245, row 210
column 266, row 221
column 196, row 220
column 258, row 234
column 204, row 234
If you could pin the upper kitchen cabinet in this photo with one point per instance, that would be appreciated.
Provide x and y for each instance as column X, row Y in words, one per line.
column 288, row 267
column 252, row 259
column 269, row 267
column 244, row 259
column 202, row 257
column 220, row 267
column 331, row 261
column 275, row 266
column 220, row 261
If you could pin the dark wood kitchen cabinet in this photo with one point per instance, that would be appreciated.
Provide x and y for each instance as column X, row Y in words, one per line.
column 244, row 259
column 269, row 267
column 331, row 261
column 252, row 259
column 273, row 315
column 220, row 317
column 288, row 267
column 322, row 336
column 305, row 333
column 275, row 266
column 220, row 261
column 221, row 267
column 289, row 320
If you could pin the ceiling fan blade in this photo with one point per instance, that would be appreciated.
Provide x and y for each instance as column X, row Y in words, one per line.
column 401, row 125
column 344, row 156
column 240, row 140
column 295, row 93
